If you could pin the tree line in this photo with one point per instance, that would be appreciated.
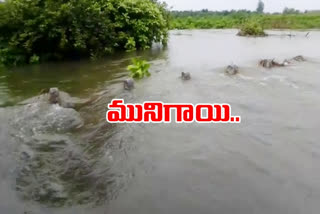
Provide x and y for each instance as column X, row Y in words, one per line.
column 206, row 19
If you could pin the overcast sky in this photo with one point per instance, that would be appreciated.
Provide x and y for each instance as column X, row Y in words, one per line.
column 270, row 5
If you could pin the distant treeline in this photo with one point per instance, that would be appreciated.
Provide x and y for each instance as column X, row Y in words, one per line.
column 204, row 19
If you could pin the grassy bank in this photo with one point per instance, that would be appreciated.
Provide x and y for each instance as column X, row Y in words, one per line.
column 194, row 20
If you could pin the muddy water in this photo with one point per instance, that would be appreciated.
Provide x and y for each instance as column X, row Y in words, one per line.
column 268, row 164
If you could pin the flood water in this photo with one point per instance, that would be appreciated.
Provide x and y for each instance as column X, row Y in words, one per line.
column 267, row 164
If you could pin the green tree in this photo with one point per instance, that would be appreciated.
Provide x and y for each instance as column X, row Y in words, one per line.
column 40, row 30
column 260, row 7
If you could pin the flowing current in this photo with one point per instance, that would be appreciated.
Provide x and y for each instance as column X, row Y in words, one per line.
column 57, row 161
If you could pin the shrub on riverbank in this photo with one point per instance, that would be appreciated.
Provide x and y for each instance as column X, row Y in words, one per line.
column 251, row 29
column 57, row 29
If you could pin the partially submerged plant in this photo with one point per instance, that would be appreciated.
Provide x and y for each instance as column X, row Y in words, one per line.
column 139, row 69
column 34, row 59
column 251, row 29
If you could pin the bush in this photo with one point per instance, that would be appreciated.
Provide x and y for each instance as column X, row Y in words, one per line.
column 59, row 29
column 251, row 29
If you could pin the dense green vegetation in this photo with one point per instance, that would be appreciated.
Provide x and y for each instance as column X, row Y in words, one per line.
column 236, row 19
column 42, row 30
